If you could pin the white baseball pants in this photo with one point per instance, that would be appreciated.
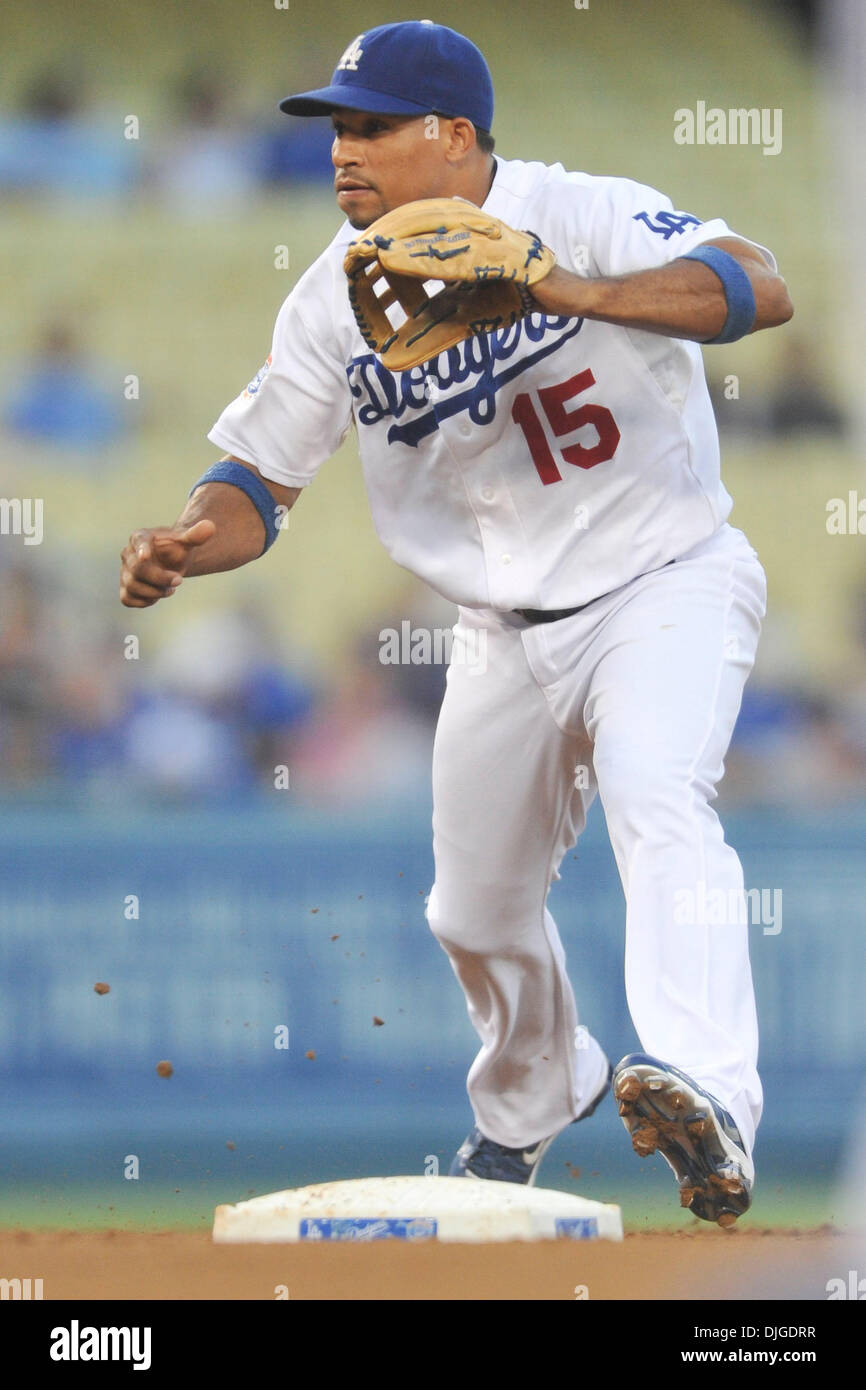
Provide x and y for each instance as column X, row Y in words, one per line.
column 634, row 698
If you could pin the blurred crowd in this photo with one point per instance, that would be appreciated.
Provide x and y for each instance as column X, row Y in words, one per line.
column 59, row 141
column 223, row 710
column 61, row 401
column 220, row 712
column 60, row 397
column 797, row 402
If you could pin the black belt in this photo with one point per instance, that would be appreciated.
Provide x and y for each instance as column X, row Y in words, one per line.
column 548, row 615
column 553, row 615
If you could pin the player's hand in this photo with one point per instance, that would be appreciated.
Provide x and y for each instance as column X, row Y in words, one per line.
column 153, row 562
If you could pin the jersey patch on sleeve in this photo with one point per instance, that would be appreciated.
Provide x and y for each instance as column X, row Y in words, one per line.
column 665, row 223
column 258, row 378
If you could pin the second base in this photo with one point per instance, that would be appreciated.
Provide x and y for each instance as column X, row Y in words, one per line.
column 416, row 1209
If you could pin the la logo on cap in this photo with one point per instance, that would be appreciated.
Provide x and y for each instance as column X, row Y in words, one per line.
column 349, row 60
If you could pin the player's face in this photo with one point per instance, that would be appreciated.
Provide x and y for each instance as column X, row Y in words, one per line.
column 382, row 162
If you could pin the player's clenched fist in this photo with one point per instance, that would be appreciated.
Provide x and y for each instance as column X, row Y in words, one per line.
column 153, row 562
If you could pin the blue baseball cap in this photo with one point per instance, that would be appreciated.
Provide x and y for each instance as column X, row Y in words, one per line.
column 406, row 70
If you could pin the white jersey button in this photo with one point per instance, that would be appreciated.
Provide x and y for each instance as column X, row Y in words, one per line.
column 488, row 494
column 506, row 559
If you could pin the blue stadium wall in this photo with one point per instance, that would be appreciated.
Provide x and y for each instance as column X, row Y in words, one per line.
column 256, row 927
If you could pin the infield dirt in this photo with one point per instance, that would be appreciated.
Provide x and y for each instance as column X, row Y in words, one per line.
column 703, row 1262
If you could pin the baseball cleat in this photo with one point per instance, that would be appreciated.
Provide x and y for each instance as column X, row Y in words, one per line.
column 665, row 1111
column 479, row 1157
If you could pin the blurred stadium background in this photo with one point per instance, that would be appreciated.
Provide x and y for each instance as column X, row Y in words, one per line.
column 140, row 293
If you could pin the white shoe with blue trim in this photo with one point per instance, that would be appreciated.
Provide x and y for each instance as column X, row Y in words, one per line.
column 667, row 1112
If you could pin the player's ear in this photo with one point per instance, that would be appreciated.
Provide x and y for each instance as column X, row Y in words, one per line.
column 460, row 137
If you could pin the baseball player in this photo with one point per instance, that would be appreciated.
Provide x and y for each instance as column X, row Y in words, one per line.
column 556, row 477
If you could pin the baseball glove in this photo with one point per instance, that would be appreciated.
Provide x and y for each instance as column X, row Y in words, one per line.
column 487, row 268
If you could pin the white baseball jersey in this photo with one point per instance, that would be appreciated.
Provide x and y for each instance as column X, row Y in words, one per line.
column 539, row 466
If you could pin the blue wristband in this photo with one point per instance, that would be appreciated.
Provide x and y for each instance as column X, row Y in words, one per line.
column 238, row 476
column 739, row 295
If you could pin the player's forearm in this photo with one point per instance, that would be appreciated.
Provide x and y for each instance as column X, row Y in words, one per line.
column 684, row 299
column 232, row 517
column 240, row 533
column 246, row 515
